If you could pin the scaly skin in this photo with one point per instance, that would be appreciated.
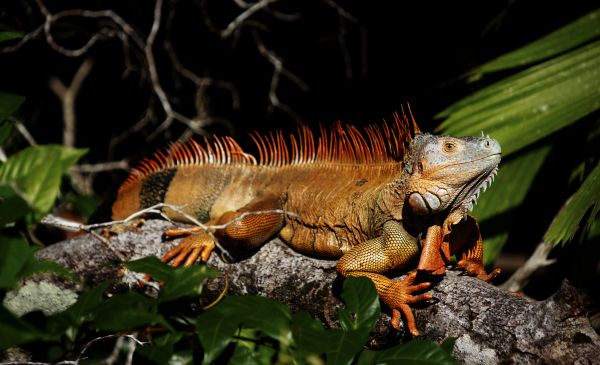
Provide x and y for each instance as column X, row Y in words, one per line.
column 370, row 215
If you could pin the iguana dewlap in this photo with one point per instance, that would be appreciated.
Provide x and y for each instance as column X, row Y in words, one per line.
column 377, row 199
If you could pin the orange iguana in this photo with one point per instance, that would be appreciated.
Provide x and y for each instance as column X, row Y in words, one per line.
column 375, row 199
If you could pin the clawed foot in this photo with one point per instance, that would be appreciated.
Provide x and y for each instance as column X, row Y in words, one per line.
column 476, row 269
column 399, row 295
column 193, row 246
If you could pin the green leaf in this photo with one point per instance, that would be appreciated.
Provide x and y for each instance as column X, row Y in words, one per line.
column 568, row 219
column 496, row 208
column 35, row 266
column 215, row 329
column 532, row 104
column 14, row 255
column 309, row 334
column 178, row 282
column 126, row 312
column 83, row 310
column 86, row 205
column 568, row 37
column 243, row 355
column 344, row 345
column 15, row 331
column 9, row 104
column 5, row 131
column 422, row 352
column 35, row 174
column 448, row 345
column 161, row 351
column 151, row 265
column 216, row 326
column 184, row 357
column 12, row 205
column 250, row 349
column 362, row 304
column 185, row 281
column 6, row 36
column 17, row 261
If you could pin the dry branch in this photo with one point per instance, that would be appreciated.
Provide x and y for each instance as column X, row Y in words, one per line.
column 491, row 325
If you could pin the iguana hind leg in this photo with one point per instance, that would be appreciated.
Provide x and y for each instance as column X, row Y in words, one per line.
column 394, row 249
column 240, row 228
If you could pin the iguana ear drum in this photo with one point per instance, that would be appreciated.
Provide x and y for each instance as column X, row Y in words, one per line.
column 424, row 204
column 417, row 204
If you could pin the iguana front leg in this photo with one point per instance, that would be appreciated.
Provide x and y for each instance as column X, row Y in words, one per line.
column 466, row 242
column 240, row 231
column 394, row 249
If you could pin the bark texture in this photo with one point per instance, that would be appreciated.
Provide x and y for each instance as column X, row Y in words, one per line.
column 492, row 326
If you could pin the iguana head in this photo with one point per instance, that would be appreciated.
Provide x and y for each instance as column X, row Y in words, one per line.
column 448, row 173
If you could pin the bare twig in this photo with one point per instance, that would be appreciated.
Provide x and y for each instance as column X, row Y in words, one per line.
column 68, row 225
column 131, row 337
column 23, row 130
column 202, row 82
column 278, row 71
column 67, row 96
column 344, row 16
column 242, row 17
column 101, row 167
column 537, row 260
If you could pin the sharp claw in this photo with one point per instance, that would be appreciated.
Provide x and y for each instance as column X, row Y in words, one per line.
column 410, row 320
column 395, row 321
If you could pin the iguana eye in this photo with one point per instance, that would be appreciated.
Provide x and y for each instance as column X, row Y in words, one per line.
column 449, row 147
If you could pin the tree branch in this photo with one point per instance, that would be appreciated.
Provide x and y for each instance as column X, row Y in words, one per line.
column 491, row 325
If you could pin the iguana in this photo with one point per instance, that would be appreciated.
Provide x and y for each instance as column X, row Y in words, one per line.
column 378, row 200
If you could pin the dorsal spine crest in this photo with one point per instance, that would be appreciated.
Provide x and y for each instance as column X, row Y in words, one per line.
column 343, row 144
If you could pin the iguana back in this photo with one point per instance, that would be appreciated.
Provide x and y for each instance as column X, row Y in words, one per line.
column 330, row 188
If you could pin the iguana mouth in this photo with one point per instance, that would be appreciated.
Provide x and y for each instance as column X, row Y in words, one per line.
column 484, row 183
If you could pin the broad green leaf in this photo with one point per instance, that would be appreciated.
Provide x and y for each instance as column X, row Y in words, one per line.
column 422, row 352
column 15, row 331
column 183, row 357
column 161, row 350
column 185, row 281
column 309, row 334
column 267, row 315
column 86, row 205
column 12, row 205
column 567, row 222
column 448, row 345
column 496, row 208
column 87, row 302
column 35, row 173
column 35, row 266
column 14, row 255
column 243, row 355
column 215, row 327
column 9, row 104
column 5, row 131
column 344, row 345
column 6, row 36
column 362, row 304
column 178, row 282
column 126, row 312
column 572, row 35
column 532, row 104
column 17, row 261
column 151, row 265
